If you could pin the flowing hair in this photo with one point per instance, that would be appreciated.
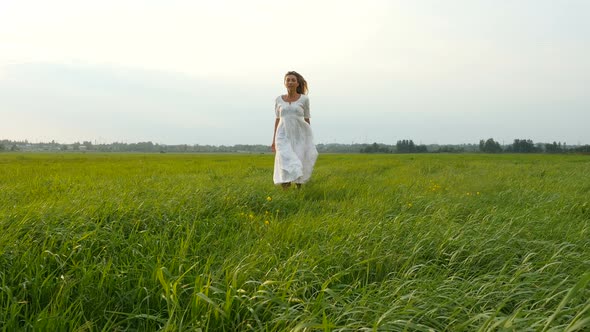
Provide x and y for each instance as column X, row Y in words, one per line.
column 302, row 88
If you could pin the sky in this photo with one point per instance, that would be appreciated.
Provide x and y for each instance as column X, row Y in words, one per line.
column 208, row 72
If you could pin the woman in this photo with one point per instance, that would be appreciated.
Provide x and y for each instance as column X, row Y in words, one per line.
column 292, row 142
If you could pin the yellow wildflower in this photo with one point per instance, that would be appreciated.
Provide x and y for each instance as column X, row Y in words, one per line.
column 269, row 198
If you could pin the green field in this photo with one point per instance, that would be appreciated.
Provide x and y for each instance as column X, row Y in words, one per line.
column 133, row 242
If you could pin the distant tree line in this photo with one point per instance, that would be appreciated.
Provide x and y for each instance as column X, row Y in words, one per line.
column 147, row 147
column 528, row 146
column 485, row 146
column 9, row 147
column 408, row 146
column 402, row 146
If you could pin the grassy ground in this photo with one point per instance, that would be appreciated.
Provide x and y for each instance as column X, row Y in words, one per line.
column 472, row 242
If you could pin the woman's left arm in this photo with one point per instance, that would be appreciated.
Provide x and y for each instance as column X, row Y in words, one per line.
column 306, row 115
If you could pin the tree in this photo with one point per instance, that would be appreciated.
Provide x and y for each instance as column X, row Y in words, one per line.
column 489, row 146
column 2, row 147
column 522, row 146
column 581, row 149
column 450, row 149
column 421, row 148
column 375, row 148
column 553, row 148
column 406, row 146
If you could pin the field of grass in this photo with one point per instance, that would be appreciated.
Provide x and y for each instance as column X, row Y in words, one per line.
column 113, row 242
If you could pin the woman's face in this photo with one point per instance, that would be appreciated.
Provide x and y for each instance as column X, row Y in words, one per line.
column 291, row 82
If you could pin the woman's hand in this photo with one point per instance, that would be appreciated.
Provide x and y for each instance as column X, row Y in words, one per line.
column 272, row 147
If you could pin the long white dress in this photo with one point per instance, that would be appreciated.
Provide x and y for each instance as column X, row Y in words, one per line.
column 295, row 152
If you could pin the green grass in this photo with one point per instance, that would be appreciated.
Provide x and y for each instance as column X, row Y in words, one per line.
column 113, row 242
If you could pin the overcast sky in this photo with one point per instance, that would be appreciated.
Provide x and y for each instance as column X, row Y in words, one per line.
column 207, row 72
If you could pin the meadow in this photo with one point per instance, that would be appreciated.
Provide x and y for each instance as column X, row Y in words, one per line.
column 206, row 242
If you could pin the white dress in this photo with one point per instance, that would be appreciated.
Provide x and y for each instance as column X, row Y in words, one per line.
column 295, row 152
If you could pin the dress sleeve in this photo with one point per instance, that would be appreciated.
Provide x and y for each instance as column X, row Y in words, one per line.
column 306, row 108
column 277, row 115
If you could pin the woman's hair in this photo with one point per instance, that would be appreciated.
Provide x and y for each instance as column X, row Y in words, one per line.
column 302, row 88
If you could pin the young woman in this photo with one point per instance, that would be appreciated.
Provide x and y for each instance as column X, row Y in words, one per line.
column 292, row 142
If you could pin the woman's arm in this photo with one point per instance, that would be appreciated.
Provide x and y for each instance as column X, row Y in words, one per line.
column 306, row 110
column 274, row 135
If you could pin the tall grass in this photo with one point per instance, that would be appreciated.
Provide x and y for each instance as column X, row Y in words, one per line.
column 94, row 242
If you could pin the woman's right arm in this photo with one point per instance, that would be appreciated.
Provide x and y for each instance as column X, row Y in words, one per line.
column 274, row 135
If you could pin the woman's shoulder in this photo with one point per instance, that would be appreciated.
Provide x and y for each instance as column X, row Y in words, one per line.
column 303, row 98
